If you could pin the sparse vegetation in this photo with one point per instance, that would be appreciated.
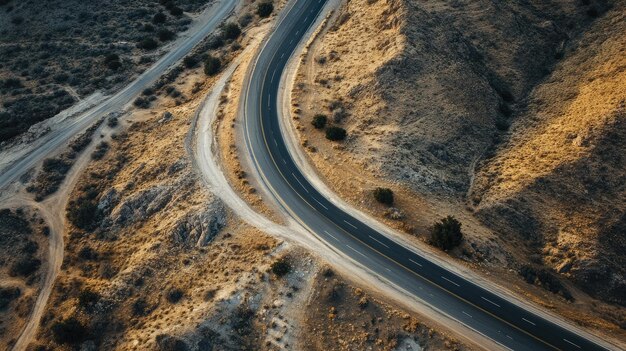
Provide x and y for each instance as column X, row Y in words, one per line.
column 446, row 234
column 165, row 34
column 148, row 43
column 265, row 9
column 384, row 196
column 335, row 133
column 175, row 295
column 25, row 267
column 8, row 295
column 546, row 279
column 319, row 121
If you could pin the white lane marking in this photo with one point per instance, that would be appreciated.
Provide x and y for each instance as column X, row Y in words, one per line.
column 269, row 98
column 298, row 31
column 283, row 55
column 467, row 314
column 415, row 262
column 305, row 18
column 450, row 280
column 331, row 235
column 378, row 241
column 491, row 302
column 509, row 337
column 275, row 143
column 290, row 41
column 569, row 342
column 296, row 178
column 388, row 270
column 321, row 204
column 527, row 321
column 350, row 224
column 273, row 74
column 357, row 251
column 282, row 159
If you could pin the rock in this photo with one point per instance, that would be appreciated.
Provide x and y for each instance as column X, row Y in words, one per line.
column 141, row 205
column 564, row 267
column 201, row 227
column 108, row 201
column 166, row 117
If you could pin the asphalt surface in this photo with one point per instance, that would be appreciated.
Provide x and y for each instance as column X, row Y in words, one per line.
column 60, row 136
column 480, row 310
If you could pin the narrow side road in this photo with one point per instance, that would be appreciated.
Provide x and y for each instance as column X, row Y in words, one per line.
column 483, row 312
column 58, row 137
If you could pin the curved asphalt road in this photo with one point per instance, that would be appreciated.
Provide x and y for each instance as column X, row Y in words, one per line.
column 217, row 13
column 480, row 310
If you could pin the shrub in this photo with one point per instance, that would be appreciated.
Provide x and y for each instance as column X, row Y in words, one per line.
column 245, row 19
column 83, row 213
column 319, row 121
column 174, row 295
column 112, row 122
column 281, row 267
column 546, row 279
column 335, row 133
column 100, row 151
column 165, row 34
column 141, row 102
column 265, row 9
column 159, row 18
column 231, row 31
column 112, row 61
column 446, row 234
column 25, row 267
column 147, row 44
column 87, row 298
column 69, row 331
column 176, row 11
column 17, row 20
column 212, row 65
column 7, row 295
column 190, row 61
column 384, row 196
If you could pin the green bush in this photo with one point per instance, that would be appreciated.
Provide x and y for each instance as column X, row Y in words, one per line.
column 112, row 61
column 335, row 133
column 265, row 9
column 384, row 196
column 159, row 18
column 165, row 34
column 147, row 44
column 25, row 267
column 88, row 298
column 319, row 121
column 8, row 295
column 190, row 61
column 174, row 295
column 231, row 31
column 212, row 65
column 281, row 267
column 446, row 234
column 83, row 213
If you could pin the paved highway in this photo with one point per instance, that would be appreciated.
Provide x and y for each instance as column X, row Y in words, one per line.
column 59, row 136
column 504, row 322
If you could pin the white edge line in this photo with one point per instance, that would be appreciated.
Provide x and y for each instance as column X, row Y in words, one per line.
column 491, row 302
column 378, row 241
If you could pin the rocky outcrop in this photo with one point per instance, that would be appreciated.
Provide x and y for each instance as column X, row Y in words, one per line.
column 199, row 228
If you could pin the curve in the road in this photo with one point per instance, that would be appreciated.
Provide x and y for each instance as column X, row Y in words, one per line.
column 486, row 313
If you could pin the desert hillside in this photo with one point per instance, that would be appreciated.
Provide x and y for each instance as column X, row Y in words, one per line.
column 430, row 86
column 508, row 115
column 559, row 181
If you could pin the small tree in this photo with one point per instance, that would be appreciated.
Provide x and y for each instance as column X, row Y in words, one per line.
column 231, row 31
column 147, row 44
column 159, row 18
column 265, row 9
column 69, row 331
column 165, row 34
column 446, row 234
column 212, row 65
column 384, row 196
column 281, row 267
column 335, row 133
column 319, row 121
